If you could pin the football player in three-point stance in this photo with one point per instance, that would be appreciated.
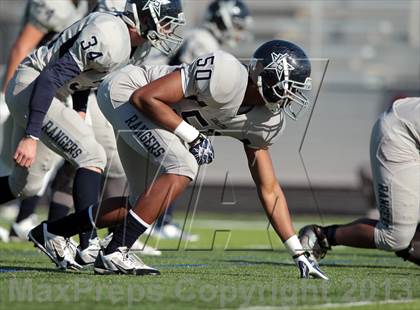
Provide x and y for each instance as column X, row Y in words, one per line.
column 146, row 104
column 226, row 23
column 75, row 62
column 395, row 161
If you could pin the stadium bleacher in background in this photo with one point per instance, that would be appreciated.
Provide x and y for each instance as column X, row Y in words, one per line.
column 367, row 44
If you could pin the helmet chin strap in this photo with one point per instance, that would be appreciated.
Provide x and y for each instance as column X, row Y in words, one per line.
column 272, row 106
column 132, row 9
column 136, row 19
column 276, row 107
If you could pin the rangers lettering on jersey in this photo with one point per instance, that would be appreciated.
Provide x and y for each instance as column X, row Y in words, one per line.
column 144, row 135
column 61, row 139
column 384, row 203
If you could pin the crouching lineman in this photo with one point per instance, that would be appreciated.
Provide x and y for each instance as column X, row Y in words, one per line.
column 145, row 105
column 226, row 22
column 395, row 161
column 75, row 62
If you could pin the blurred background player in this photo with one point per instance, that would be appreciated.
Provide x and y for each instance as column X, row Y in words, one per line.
column 226, row 24
column 395, row 162
column 41, row 21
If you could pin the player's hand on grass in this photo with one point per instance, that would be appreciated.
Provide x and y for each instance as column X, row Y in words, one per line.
column 26, row 152
column 202, row 150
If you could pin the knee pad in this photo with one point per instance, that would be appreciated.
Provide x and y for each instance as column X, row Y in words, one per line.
column 186, row 166
column 394, row 240
column 95, row 158
column 192, row 168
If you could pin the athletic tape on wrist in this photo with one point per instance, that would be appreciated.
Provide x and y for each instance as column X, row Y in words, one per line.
column 186, row 132
column 293, row 246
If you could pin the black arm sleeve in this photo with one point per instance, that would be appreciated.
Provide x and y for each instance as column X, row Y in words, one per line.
column 80, row 100
column 54, row 76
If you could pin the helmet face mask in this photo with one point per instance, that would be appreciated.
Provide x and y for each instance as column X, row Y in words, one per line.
column 167, row 38
column 281, row 72
column 291, row 96
column 159, row 21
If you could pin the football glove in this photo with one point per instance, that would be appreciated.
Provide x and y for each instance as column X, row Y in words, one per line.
column 308, row 267
column 314, row 241
column 202, row 150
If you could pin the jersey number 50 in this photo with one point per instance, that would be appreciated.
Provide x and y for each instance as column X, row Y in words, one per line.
column 204, row 74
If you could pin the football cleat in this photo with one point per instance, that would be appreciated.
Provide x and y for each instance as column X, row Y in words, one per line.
column 308, row 267
column 172, row 231
column 122, row 262
column 314, row 241
column 4, row 235
column 138, row 246
column 19, row 231
column 59, row 249
column 88, row 256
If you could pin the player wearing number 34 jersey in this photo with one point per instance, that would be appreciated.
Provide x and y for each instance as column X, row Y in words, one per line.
column 147, row 105
column 74, row 63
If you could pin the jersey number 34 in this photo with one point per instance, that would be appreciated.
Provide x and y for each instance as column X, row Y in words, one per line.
column 88, row 44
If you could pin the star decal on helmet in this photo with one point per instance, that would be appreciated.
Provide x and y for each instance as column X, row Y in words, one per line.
column 280, row 64
column 155, row 5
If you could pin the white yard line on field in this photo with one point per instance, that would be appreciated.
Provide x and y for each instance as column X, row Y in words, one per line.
column 331, row 305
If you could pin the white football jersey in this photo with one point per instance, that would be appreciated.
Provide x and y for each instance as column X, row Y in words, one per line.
column 99, row 43
column 197, row 42
column 214, row 86
column 408, row 111
column 110, row 5
column 54, row 15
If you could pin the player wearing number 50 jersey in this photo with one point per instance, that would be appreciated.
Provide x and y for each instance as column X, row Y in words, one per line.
column 75, row 62
column 216, row 92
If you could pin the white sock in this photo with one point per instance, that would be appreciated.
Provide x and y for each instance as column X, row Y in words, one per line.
column 294, row 246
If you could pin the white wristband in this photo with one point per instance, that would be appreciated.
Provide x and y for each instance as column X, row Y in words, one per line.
column 32, row 137
column 186, row 132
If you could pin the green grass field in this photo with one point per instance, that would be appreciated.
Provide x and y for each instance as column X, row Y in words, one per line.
column 245, row 268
